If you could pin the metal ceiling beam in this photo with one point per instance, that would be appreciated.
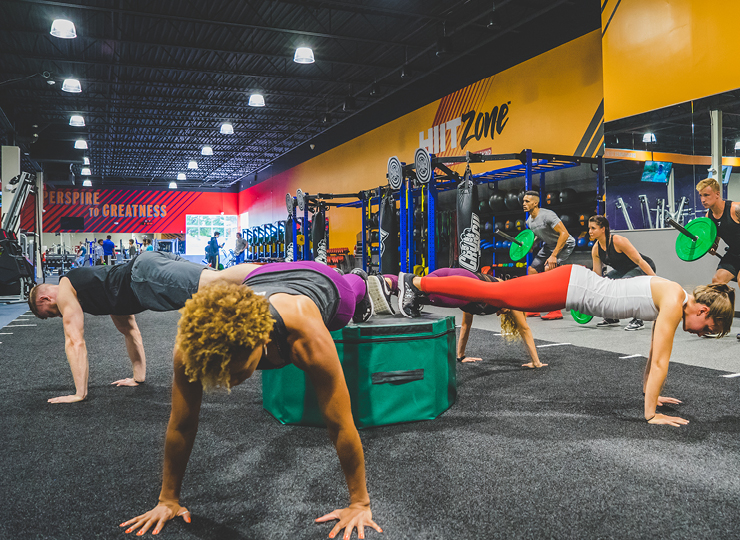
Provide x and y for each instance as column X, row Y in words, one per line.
column 201, row 49
column 159, row 68
column 215, row 22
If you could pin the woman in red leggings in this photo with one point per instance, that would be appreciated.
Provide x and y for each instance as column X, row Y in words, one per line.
column 708, row 310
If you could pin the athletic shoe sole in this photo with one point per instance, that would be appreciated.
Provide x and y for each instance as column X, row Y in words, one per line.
column 633, row 328
column 402, row 294
column 378, row 297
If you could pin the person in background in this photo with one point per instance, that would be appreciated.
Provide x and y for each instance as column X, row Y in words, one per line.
column 148, row 245
column 132, row 251
column 241, row 245
column 109, row 250
column 99, row 253
column 213, row 247
column 618, row 253
column 81, row 252
column 558, row 243
column 726, row 216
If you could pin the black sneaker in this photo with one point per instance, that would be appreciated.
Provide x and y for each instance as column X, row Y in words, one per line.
column 380, row 294
column 608, row 322
column 635, row 324
column 364, row 308
column 408, row 295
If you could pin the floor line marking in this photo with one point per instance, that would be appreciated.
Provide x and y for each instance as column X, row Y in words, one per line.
column 631, row 356
column 17, row 325
column 6, row 333
column 731, row 375
column 552, row 345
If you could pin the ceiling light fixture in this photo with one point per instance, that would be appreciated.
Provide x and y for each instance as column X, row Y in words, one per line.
column 76, row 120
column 303, row 55
column 206, row 151
column 173, row 185
column 648, row 138
column 181, row 176
column 62, row 28
column 193, row 164
column 737, row 146
column 375, row 89
column 85, row 171
column 86, row 160
column 81, row 144
column 86, row 183
column 256, row 100
column 72, row 86
column 227, row 128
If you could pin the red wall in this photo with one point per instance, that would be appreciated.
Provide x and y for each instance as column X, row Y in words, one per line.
column 137, row 211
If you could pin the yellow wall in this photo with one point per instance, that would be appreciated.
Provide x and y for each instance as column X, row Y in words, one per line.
column 662, row 52
column 554, row 104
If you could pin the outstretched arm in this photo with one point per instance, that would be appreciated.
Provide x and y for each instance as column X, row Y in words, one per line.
column 315, row 353
column 552, row 260
column 656, row 370
column 181, row 431
column 126, row 324
column 462, row 342
column 596, row 259
column 526, row 333
column 73, row 320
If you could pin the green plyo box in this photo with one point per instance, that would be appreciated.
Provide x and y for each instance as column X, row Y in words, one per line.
column 397, row 370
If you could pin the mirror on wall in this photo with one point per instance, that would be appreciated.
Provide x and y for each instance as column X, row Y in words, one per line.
column 654, row 160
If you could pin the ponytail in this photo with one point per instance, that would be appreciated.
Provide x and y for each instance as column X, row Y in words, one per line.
column 720, row 299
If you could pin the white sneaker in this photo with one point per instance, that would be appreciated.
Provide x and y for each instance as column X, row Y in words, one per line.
column 635, row 324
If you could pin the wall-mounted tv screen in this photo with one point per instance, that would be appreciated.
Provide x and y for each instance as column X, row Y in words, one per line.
column 657, row 171
column 72, row 223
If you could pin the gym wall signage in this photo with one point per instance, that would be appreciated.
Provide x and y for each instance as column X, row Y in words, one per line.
column 122, row 211
column 473, row 124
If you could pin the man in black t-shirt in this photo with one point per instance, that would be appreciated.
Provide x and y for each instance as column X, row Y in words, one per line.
column 154, row 280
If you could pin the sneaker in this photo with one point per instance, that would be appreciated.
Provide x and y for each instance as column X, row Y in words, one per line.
column 635, row 324
column 608, row 322
column 553, row 315
column 364, row 308
column 532, row 314
column 380, row 294
column 408, row 295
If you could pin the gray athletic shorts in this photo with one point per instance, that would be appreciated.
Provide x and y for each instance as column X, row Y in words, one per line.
column 164, row 281
column 539, row 261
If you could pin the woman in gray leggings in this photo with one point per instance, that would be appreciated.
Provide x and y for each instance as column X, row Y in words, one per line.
column 618, row 253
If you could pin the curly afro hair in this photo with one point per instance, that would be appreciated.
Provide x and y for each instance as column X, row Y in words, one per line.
column 218, row 322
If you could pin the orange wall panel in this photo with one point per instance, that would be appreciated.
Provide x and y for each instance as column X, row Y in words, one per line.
column 661, row 52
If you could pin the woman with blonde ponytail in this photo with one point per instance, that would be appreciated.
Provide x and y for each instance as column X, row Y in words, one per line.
column 709, row 310
column 514, row 325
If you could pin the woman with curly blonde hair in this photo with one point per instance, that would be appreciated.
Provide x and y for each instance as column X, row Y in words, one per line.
column 709, row 310
column 514, row 325
column 281, row 314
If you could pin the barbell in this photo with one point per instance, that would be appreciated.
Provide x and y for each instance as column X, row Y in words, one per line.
column 696, row 239
column 520, row 245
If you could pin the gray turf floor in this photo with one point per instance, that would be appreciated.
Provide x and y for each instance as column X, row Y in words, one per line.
column 560, row 452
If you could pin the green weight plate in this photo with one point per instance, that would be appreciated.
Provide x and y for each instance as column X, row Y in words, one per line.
column 579, row 317
column 690, row 250
column 517, row 252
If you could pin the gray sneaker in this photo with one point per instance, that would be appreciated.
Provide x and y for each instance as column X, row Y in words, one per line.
column 408, row 295
column 380, row 293
column 608, row 322
column 364, row 308
column 635, row 324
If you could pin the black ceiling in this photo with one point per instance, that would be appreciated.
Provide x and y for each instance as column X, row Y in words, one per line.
column 159, row 78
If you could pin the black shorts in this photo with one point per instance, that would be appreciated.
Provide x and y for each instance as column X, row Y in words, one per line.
column 730, row 262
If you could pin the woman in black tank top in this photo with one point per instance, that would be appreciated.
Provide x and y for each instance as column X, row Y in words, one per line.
column 618, row 253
